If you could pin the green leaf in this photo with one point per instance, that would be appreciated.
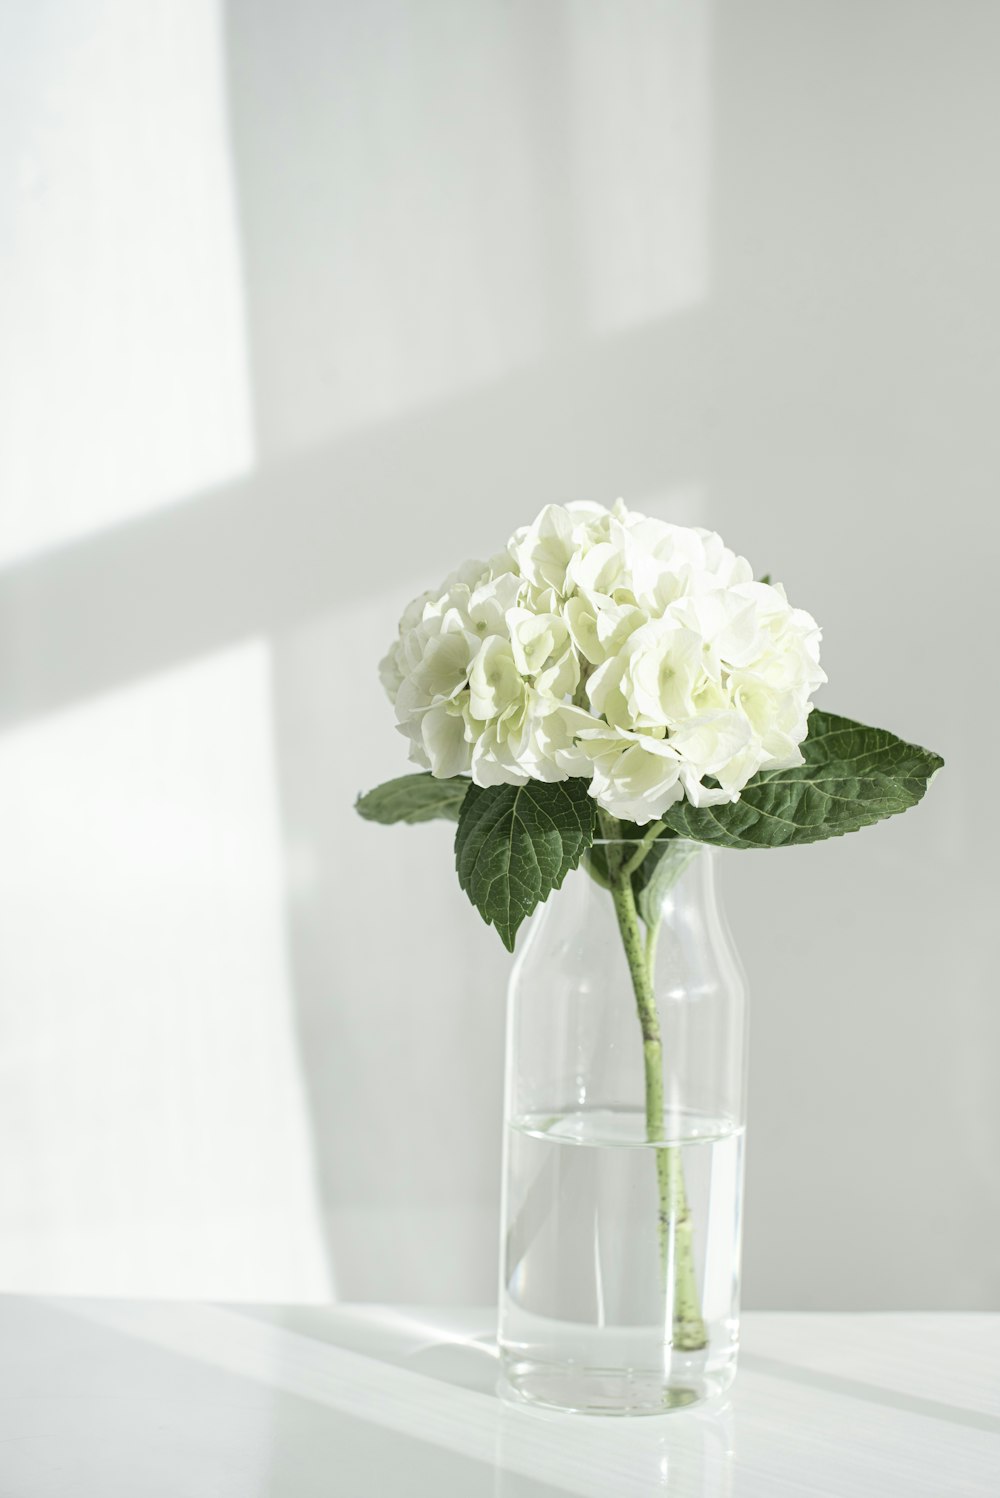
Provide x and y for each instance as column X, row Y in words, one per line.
column 516, row 843
column 414, row 798
column 852, row 776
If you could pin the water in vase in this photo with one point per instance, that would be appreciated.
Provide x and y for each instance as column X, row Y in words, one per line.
column 604, row 1306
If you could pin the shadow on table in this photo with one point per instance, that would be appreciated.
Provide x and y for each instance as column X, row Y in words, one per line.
column 310, row 1402
column 854, row 1388
column 530, row 1450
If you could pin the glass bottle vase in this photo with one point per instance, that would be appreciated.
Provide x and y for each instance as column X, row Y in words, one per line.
column 623, row 1140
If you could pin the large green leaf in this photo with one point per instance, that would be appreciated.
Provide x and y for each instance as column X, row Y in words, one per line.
column 414, row 798
column 516, row 843
column 852, row 776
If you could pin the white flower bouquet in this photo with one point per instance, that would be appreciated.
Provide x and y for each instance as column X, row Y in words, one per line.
column 607, row 665
column 608, row 684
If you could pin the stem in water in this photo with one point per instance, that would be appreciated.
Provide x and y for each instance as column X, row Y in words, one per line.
column 675, row 1226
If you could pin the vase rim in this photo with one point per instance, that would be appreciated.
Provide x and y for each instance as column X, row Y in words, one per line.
column 630, row 842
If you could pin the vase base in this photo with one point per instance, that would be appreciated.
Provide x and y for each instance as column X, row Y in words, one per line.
column 609, row 1391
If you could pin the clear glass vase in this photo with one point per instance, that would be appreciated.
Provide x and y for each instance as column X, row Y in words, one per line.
column 623, row 1141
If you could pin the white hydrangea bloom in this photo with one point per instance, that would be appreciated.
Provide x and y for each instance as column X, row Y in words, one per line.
column 607, row 644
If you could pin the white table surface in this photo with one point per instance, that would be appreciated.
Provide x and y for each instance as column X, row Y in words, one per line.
column 125, row 1399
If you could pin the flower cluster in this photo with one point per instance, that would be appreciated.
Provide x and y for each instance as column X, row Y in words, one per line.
column 606, row 644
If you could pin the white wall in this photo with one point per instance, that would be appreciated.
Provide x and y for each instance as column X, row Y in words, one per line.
column 310, row 301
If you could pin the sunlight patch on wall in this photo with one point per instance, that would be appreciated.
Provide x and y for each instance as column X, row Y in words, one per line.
column 388, row 194
column 153, row 1136
column 123, row 364
column 641, row 96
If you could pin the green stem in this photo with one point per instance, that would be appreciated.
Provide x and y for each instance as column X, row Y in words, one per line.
column 675, row 1225
column 648, row 840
